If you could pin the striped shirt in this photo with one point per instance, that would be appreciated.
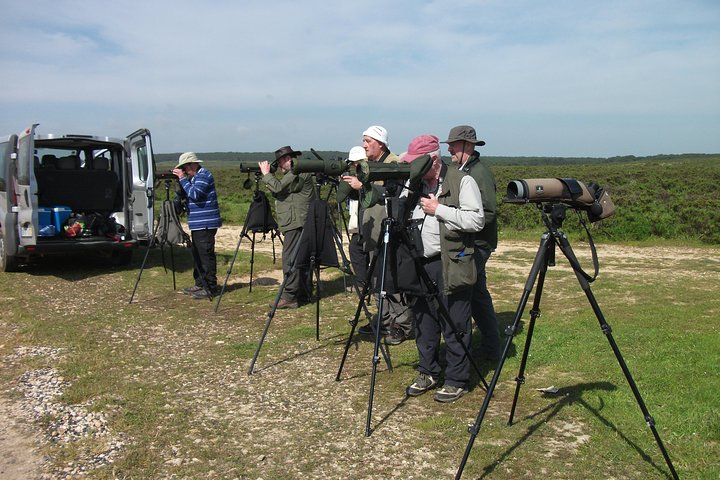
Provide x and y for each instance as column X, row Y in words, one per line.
column 203, row 208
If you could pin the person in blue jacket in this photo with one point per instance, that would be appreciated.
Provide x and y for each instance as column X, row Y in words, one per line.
column 203, row 222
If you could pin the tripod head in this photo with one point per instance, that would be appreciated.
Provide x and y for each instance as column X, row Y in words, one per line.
column 553, row 214
column 247, row 184
column 168, row 178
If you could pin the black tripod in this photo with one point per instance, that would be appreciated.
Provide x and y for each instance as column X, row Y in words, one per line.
column 407, row 266
column 313, row 250
column 553, row 216
column 167, row 219
column 259, row 219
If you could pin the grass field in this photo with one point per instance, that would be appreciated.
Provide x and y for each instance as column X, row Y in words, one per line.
column 169, row 376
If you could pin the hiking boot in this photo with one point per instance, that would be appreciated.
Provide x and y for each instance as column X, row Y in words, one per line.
column 191, row 290
column 397, row 336
column 448, row 393
column 287, row 303
column 201, row 294
column 367, row 330
column 422, row 384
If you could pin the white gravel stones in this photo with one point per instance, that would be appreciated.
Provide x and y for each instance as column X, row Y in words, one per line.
column 41, row 389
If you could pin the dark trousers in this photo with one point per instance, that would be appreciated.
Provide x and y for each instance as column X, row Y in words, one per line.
column 359, row 258
column 483, row 311
column 297, row 283
column 205, row 269
column 396, row 306
column 429, row 328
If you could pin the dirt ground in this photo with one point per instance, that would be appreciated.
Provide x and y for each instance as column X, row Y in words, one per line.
column 19, row 437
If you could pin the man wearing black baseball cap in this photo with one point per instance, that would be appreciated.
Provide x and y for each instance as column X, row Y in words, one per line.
column 461, row 142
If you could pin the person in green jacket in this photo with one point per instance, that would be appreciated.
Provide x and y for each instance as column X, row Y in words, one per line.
column 293, row 194
column 461, row 143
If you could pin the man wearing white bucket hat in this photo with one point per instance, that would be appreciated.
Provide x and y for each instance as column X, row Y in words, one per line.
column 397, row 322
column 203, row 221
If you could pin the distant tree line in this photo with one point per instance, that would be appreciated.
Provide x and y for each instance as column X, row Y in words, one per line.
column 663, row 196
column 229, row 158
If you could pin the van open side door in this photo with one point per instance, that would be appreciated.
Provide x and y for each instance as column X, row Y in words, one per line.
column 142, row 215
column 26, row 189
column 8, row 213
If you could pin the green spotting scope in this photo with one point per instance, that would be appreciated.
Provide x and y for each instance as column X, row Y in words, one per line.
column 364, row 170
column 250, row 166
column 332, row 167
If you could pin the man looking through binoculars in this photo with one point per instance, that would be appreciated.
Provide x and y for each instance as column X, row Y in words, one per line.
column 293, row 194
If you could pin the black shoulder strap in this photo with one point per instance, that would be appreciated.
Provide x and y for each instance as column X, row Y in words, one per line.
column 593, row 251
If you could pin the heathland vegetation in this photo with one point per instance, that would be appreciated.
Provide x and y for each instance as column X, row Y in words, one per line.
column 672, row 197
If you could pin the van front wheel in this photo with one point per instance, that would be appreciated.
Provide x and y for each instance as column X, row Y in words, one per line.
column 8, row 263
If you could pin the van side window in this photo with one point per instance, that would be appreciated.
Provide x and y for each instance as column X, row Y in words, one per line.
column 142, row 162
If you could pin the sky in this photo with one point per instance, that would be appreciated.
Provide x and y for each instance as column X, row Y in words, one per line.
column 564, row 78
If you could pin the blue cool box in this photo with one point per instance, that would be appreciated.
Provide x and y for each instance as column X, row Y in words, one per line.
column 60, row 216
column 44, row 221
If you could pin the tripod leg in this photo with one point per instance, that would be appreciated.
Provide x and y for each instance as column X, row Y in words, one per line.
column 142, row 267
column 353, row 324
column 362, row 294
column 314, row 270
column 607, row 330
column 151, row 244
column 383, row 293
column 162, row 257
column 538, row 265
column 252, row 262
column 270, row 316
column 534, row 314
column 293, row 255
column 230, row 267
column 172, row 266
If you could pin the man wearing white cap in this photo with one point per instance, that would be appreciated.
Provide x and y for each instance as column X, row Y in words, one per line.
column 397, row 322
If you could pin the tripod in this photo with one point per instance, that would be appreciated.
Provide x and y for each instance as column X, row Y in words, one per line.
column 313, row 250
column 553, row 216
column 259, row 219
column 168, row 220
column 426, row 287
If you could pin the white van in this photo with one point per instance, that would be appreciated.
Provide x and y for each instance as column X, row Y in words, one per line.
column 63, row 194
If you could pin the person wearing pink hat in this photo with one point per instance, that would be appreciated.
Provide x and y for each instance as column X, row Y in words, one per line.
column 450, row 208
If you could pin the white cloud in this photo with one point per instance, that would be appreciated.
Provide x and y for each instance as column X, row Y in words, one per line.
column 250, row 75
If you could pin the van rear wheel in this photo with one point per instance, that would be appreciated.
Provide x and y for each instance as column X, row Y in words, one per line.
column 8, row 263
